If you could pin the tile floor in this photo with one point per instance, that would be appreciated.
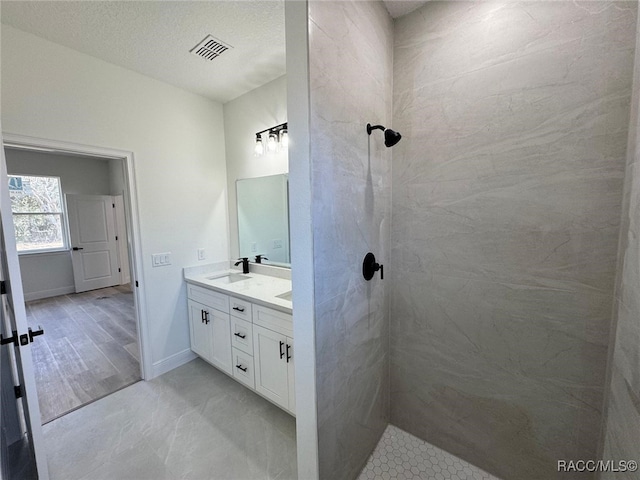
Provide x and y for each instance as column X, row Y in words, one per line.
column 399, row 455
column 193, row 422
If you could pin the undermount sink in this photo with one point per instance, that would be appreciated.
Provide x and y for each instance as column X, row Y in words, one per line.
column 285, row 295
column 229, row 278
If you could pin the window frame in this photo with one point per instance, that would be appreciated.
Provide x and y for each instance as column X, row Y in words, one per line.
column 62, row 213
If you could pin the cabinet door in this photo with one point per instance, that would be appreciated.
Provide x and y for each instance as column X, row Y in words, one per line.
column 271, row 372
column 199, row 331
column 220, row 340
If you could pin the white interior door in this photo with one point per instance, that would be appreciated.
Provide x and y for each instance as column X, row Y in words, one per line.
column 20, row 429
column 93, row 240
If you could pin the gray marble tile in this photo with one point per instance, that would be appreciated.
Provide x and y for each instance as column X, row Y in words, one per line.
column 350, row 70
column 622, row 429
column 507, row 192
column 136, row 463
column 193, row 422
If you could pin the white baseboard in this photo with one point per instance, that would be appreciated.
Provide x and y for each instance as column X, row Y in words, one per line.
column 174, row 361
column 54, row 292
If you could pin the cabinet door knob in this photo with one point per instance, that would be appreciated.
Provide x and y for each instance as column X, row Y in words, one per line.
column 281, row 350
column 239, row 335
column 288, row 354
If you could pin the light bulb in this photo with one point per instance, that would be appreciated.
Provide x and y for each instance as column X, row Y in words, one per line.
column 272, row 143
column 284, row 139
column 259, row 148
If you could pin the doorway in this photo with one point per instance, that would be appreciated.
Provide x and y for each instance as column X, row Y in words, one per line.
column 93, row 340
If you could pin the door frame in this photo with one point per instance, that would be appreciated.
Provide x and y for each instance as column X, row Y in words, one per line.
column 132, row 219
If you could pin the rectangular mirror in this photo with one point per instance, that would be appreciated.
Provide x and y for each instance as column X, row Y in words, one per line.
column 263, row 218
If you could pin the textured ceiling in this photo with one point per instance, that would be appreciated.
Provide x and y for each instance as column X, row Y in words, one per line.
column 154, row 38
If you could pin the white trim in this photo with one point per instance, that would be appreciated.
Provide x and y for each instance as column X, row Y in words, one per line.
column 302, row 273
column 173, row 361
column 54, row 292
column 133, row 226
column 44, row 251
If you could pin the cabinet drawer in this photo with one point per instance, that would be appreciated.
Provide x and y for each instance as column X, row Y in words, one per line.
column 273, row 320
column 212, row 299
column 242, row 335
column 243, row 368
column 240, row 308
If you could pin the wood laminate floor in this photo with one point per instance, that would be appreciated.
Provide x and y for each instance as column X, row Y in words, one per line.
column 89, row 348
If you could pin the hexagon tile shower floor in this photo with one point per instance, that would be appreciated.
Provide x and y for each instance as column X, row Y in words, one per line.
column 399, row 455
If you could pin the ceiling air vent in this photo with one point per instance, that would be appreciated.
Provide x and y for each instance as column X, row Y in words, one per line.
column 209, row 48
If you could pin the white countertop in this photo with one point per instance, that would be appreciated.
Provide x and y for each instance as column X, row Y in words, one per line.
column 260, row 289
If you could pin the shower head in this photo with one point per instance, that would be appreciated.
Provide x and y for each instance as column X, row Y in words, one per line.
column 391, row 137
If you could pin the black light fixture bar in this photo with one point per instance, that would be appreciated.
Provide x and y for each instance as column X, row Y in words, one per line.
column 274, row 130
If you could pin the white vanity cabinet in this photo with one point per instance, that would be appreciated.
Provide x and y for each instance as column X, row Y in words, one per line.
column 273, row 355
column 210, row 326
column 250, row 342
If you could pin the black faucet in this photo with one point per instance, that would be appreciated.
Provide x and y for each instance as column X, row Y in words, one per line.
column 245, row 264
column 260, row 257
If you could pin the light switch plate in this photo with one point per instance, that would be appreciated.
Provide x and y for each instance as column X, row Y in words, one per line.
column 161, row 259
column 201, row 254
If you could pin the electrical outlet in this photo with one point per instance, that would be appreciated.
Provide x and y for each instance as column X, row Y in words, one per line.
column 254, row 247
column 201, row 254
column 277, row 243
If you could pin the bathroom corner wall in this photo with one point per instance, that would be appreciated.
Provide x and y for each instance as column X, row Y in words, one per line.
column 507, row 190
column 350, row 71
column 622, row 429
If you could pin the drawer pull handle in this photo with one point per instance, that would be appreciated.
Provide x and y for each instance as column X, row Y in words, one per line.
column 244, row 369
column 206, row 317
column 239, row 335
column 288, row 354
column 239, row 309
column 281, row 350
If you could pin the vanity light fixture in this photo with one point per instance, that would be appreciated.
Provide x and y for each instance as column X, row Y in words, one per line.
column 278, row 137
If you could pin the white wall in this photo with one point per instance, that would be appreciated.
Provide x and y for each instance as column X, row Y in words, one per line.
column 50, row 274
column 252, row 112
column 117, row 182
column 177, row 139
column 78, row 175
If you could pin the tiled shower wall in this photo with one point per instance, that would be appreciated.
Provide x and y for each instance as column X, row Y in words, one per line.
column 350, row 71
column 622, row 434
column 507, row 190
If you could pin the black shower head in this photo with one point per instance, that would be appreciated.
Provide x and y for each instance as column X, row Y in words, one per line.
column 391, row 137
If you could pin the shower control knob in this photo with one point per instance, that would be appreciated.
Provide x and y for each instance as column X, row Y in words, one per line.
column 370, row 266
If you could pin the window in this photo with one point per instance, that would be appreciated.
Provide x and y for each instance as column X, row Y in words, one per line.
column 36, row 203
